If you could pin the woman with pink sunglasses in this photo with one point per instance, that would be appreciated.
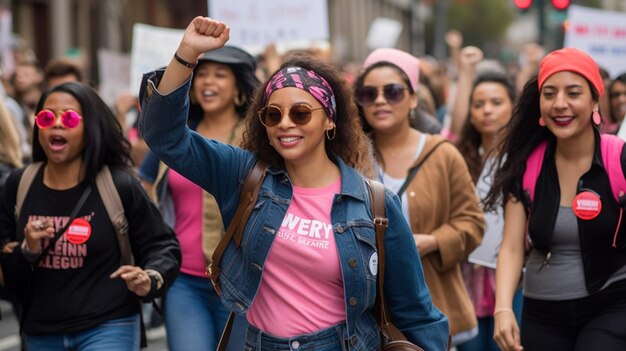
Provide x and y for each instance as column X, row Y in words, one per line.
column 67, row 271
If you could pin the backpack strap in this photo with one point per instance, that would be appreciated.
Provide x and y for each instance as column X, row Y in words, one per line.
column 115, row 210
column 533, row 168
column 611, row 147
column 24, row 185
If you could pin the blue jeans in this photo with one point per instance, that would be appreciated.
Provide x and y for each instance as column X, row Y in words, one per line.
column 121, row 334
column 484, row 340
column 194, row 315
column 329, row 339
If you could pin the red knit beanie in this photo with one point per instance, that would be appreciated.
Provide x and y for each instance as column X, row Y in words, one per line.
column 573, row 60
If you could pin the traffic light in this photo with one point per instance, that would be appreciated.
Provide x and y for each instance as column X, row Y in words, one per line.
column 560, row 4
column 523, row 4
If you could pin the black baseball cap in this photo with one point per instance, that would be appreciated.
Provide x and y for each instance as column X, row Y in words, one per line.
column 230, row 55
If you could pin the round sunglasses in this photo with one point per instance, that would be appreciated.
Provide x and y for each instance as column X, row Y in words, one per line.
column 393, row 93
column 299, row 114
column 46, row 118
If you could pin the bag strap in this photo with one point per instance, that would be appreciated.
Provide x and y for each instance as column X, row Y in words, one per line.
column 611, row 147
column 115, row 209
column 413, row 170
column 381, row 222
column 247, row 199
column 377, row 202
column 60, row 232
column 534, row 162
column 24, row 185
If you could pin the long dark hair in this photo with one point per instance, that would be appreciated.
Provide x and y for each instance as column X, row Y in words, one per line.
column 523, row 135
column 470, row 140
column 350, row 143
column 104, row 140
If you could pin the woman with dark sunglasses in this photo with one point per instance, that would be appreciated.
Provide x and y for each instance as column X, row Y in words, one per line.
column 305, row 272
column 430, row 177
column 77, row 295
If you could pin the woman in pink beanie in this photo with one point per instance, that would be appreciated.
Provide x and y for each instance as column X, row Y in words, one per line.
column 431, row 178
column 562, row 217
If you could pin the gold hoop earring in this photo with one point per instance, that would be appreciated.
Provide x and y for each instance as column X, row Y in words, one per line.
column 334, row 134
column 239, row 100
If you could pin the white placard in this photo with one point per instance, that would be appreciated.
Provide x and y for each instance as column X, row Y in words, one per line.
column 383, row 33
column 602, row 34
column 153, row 47
column 486, row 254
column 255, row 24
column 113, row 70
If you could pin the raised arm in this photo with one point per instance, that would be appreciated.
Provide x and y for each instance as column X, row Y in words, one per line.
column 202, row 34
column 468, row 59
column 214, row 166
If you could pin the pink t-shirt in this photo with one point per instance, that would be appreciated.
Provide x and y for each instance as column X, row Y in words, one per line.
column 302, row 288
column 187, row 198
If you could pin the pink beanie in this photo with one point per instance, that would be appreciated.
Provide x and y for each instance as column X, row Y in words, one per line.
column 406, row 62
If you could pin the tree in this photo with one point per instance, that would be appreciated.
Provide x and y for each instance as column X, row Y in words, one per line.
column 480, row 21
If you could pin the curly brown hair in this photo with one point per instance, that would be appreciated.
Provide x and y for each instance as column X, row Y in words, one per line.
column 350, row 142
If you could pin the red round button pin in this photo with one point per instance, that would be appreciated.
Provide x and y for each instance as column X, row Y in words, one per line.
column 78, row 232
column 587, row 205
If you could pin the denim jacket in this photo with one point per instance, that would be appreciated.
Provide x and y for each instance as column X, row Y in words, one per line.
column 221, row 170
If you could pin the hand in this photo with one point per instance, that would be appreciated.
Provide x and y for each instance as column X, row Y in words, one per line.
column 9, row 247
column 137, row 280
column 202, row 34
column 425, row 244
column 533, row 53
column 454, row 38
column 469, row 57
column 37, row 233
column 506, row 331
column 124, row 103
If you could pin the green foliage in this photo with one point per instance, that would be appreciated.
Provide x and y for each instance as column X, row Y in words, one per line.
column 480, row 21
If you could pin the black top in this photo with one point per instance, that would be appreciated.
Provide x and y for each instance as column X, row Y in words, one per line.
column 600, row 258
column 71, row 290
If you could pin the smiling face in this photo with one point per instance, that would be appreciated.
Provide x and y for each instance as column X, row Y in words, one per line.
column 566, row 104
column 62, row 145
column 383, row 115
column 214, row 87
column 297, row 143
column 490, row 108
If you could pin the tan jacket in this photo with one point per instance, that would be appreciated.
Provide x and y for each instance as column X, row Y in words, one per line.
column 443, row 202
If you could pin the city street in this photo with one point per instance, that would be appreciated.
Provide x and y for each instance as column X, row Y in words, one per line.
column 9, row 339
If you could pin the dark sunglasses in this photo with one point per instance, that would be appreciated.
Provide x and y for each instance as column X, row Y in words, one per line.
column 299, row 114
column 393, row 93
column 46, row 118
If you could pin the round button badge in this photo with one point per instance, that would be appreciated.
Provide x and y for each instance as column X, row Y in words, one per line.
column 587, row 205
column 78, row 232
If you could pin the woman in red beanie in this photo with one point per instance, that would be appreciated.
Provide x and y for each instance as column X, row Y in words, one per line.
column 575, row 275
